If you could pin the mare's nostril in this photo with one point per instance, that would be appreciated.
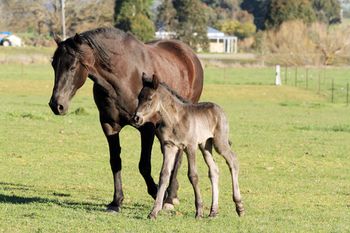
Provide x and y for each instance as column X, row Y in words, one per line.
column 60, row 107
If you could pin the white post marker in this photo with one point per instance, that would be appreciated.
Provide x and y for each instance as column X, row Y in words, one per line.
column 278, row 81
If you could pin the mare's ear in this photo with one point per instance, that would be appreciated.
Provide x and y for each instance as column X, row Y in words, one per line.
column 77, row 39
column 57, row 38
column 155, row 82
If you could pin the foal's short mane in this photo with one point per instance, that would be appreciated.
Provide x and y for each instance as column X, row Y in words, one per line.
column 174, row 93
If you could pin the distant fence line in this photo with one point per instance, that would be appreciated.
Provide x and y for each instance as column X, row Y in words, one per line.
column 319, row 80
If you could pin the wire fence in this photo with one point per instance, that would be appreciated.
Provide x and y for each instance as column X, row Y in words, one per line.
column 331, row 83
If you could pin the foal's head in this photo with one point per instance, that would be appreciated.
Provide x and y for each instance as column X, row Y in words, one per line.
column 149, row 98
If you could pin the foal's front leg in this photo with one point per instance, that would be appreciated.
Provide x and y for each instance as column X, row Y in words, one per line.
column 193, row 177
column 169, row 155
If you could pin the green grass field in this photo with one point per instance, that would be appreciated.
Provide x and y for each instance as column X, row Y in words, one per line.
column 293, row 148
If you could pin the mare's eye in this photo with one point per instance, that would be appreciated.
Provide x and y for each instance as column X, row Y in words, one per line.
column 72, row 68
column 149, row 98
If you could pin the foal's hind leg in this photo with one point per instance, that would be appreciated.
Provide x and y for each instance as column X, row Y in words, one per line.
column 223, row 148
column 213, row 175
column 193, row 177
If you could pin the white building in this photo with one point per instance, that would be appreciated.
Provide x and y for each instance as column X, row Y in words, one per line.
column 218, row 41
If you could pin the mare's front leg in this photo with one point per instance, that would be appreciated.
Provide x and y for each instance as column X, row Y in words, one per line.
column 147, row 137
column 112, row 135
column 169, row 155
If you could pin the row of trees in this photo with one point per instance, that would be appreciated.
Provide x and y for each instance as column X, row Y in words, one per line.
column 272, row 13
column 188, row 18
column 43, row 17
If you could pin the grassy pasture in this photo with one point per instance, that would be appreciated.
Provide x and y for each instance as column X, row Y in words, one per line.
column 293, row 148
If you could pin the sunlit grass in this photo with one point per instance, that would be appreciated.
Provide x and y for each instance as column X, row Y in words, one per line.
column 55, row 177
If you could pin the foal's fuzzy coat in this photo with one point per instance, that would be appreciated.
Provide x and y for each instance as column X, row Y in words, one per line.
column 181, row 125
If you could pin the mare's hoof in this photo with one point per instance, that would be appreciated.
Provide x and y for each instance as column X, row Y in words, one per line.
column 113, row 208
column 176, row 201
column 168, row 206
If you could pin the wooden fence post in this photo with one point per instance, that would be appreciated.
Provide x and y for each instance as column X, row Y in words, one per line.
column 278, row 76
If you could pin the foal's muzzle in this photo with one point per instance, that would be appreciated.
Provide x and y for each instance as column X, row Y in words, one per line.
column 137, row 120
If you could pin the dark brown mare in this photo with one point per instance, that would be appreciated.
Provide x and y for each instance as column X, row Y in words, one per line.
column 114, row 61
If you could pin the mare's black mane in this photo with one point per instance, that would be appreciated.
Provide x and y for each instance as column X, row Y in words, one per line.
column 96, row 40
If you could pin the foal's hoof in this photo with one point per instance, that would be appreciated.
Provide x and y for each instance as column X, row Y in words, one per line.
column 213, row 214
column 113, row 208
column 152, row 216
column 240, row 209
column 199, row 216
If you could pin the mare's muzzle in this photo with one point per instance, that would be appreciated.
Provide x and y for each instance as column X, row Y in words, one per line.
column 57, row 107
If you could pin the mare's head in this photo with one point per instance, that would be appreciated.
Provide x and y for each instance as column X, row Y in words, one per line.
column 149, row 99
column 69, row 64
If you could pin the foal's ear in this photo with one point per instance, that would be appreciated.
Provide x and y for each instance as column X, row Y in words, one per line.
column 57, row 38
column 77, row 39
column 146, row 81
column 155, row 82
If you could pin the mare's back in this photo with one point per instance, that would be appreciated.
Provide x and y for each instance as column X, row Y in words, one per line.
column 176, row 61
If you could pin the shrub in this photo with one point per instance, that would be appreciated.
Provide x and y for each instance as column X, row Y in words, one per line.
column 297, row 43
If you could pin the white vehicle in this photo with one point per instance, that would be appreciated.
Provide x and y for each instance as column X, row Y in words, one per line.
column 8, row 39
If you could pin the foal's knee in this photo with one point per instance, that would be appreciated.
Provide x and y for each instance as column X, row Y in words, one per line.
column 193, row 177
column 213, row 173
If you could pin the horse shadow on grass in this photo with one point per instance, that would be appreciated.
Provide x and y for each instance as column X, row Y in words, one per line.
column 57, row 198
column 20, row 194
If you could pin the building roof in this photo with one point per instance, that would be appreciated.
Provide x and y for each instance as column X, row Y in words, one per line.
column 212, row 33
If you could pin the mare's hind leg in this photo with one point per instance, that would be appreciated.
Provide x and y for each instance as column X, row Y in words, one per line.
column 193, row 177
column 147, row 137
column 206, row 150
column 222, row 147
